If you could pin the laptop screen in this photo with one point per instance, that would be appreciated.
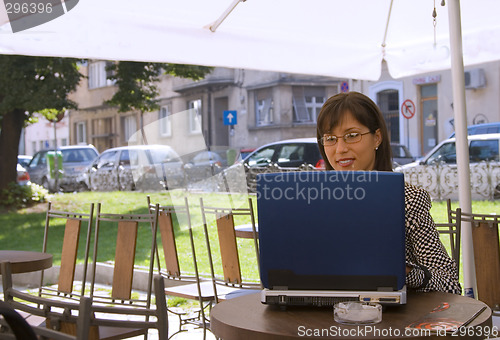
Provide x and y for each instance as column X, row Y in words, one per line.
column 330, row 230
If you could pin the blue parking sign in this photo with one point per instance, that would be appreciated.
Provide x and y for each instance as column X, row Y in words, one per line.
column 230, row 117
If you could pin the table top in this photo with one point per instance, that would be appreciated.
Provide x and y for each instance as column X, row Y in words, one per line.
column 26, row 261
column 245, row 317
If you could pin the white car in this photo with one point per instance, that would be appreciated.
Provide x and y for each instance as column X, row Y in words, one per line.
column 139, row 167
column 437, row 171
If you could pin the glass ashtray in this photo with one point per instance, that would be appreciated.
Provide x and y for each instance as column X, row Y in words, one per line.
column 357, row 313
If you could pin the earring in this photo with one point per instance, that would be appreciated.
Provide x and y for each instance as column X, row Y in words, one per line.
column 376, row 148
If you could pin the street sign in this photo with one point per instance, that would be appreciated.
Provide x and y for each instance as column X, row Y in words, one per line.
column 344, row 87
column 408, row 109
column 230, row 117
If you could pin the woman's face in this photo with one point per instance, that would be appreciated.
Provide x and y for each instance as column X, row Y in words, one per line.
column 357, row 156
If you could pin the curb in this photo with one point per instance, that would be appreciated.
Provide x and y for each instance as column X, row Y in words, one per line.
column 104, row 275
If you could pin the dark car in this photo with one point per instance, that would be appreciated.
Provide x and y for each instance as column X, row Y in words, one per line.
column 205, row 164
column 75, row 159
column 400, row 155
column 139, row 167
column 287, row 155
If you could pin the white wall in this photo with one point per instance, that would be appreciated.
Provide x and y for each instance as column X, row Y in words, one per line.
column 40, row 135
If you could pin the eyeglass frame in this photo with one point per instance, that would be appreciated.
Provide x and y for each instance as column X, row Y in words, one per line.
column 322, row 139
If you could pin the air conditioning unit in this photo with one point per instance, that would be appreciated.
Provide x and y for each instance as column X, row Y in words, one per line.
column 475, row 78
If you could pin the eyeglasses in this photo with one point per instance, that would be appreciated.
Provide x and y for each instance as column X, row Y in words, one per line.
column 349, row 138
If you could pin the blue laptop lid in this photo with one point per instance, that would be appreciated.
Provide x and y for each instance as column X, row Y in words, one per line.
column 331, row 230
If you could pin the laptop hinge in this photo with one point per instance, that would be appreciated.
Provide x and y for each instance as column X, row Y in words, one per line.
column 280, row 288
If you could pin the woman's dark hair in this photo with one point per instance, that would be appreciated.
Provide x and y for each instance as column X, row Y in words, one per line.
column 365, row 111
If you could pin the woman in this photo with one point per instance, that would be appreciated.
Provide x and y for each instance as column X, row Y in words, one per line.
column 352, row 136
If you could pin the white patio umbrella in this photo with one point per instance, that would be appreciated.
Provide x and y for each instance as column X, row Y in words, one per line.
column 339, row 38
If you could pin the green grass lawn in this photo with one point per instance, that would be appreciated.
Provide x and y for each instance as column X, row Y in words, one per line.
column 23, row 229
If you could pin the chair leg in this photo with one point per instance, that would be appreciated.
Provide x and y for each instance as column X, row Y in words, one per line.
column 83, row 323
column 161, row 307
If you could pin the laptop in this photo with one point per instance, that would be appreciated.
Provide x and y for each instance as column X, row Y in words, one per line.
column 331, row 236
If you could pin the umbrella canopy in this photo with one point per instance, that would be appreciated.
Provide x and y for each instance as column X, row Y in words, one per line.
column 346, row 39
column 323, row 37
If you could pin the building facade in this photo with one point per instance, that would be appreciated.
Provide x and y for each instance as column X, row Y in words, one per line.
column 271, row 106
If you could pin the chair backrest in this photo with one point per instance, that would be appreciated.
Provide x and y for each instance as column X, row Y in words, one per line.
column 485, row 242
column 168, row 217
column 226, row 233
column 453, row 229
column 127, row 230
column 70, row 245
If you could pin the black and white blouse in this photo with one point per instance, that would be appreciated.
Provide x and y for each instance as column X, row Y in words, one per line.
column 432, row 268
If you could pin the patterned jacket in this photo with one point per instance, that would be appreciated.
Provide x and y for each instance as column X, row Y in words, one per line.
column 432, row 268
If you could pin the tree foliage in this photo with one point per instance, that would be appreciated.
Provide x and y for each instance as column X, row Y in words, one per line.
column 33, row 84
column 136, row 81
column 29, row 85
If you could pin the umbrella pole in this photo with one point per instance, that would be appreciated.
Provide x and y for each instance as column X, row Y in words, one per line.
column 460, row 115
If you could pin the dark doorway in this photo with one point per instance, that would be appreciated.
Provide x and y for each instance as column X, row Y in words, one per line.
column 221, row 131
column 388, row 101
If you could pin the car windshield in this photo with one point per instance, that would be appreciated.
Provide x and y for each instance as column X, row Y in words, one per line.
column 446, row 153
column 78, row 155
column 163, row 155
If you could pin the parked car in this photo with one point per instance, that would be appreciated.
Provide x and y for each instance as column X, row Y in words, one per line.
column 437, row 171
column 75, row 159
column 24, row 160
column 400, row 155
column 23, row 177
column 139, row 167
column 289, row 155
column 205, row 164
column 480, row 129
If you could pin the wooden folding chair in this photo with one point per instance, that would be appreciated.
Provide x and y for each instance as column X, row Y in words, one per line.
column 69, row 251
column 486, row 257
column 232, row 280
column 453, row 229
column 118, row 315
column 54, row 302
column 181, row 283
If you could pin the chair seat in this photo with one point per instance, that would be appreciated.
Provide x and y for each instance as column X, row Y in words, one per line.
column 190, row 291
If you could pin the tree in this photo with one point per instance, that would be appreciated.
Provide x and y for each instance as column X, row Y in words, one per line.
column 137, row 81
column 29, row 85
column 42, row 84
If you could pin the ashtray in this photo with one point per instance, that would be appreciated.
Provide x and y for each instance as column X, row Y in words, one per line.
column 357, row 313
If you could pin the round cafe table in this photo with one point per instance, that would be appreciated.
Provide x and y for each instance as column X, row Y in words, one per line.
column 245, row 317
column 25, row 261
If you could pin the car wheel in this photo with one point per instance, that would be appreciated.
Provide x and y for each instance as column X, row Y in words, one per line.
column 82, row 187
column 496, row 193
column 45, row 184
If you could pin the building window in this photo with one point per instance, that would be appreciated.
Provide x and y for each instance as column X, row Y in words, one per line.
column 98, row 75
column 264, row 107
column 64, row 141
column 33, row 146
column 165, row 121
column 307, row 102
column 388, row 102
column 195, row 116
column 129, row 124
column 81, row 132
